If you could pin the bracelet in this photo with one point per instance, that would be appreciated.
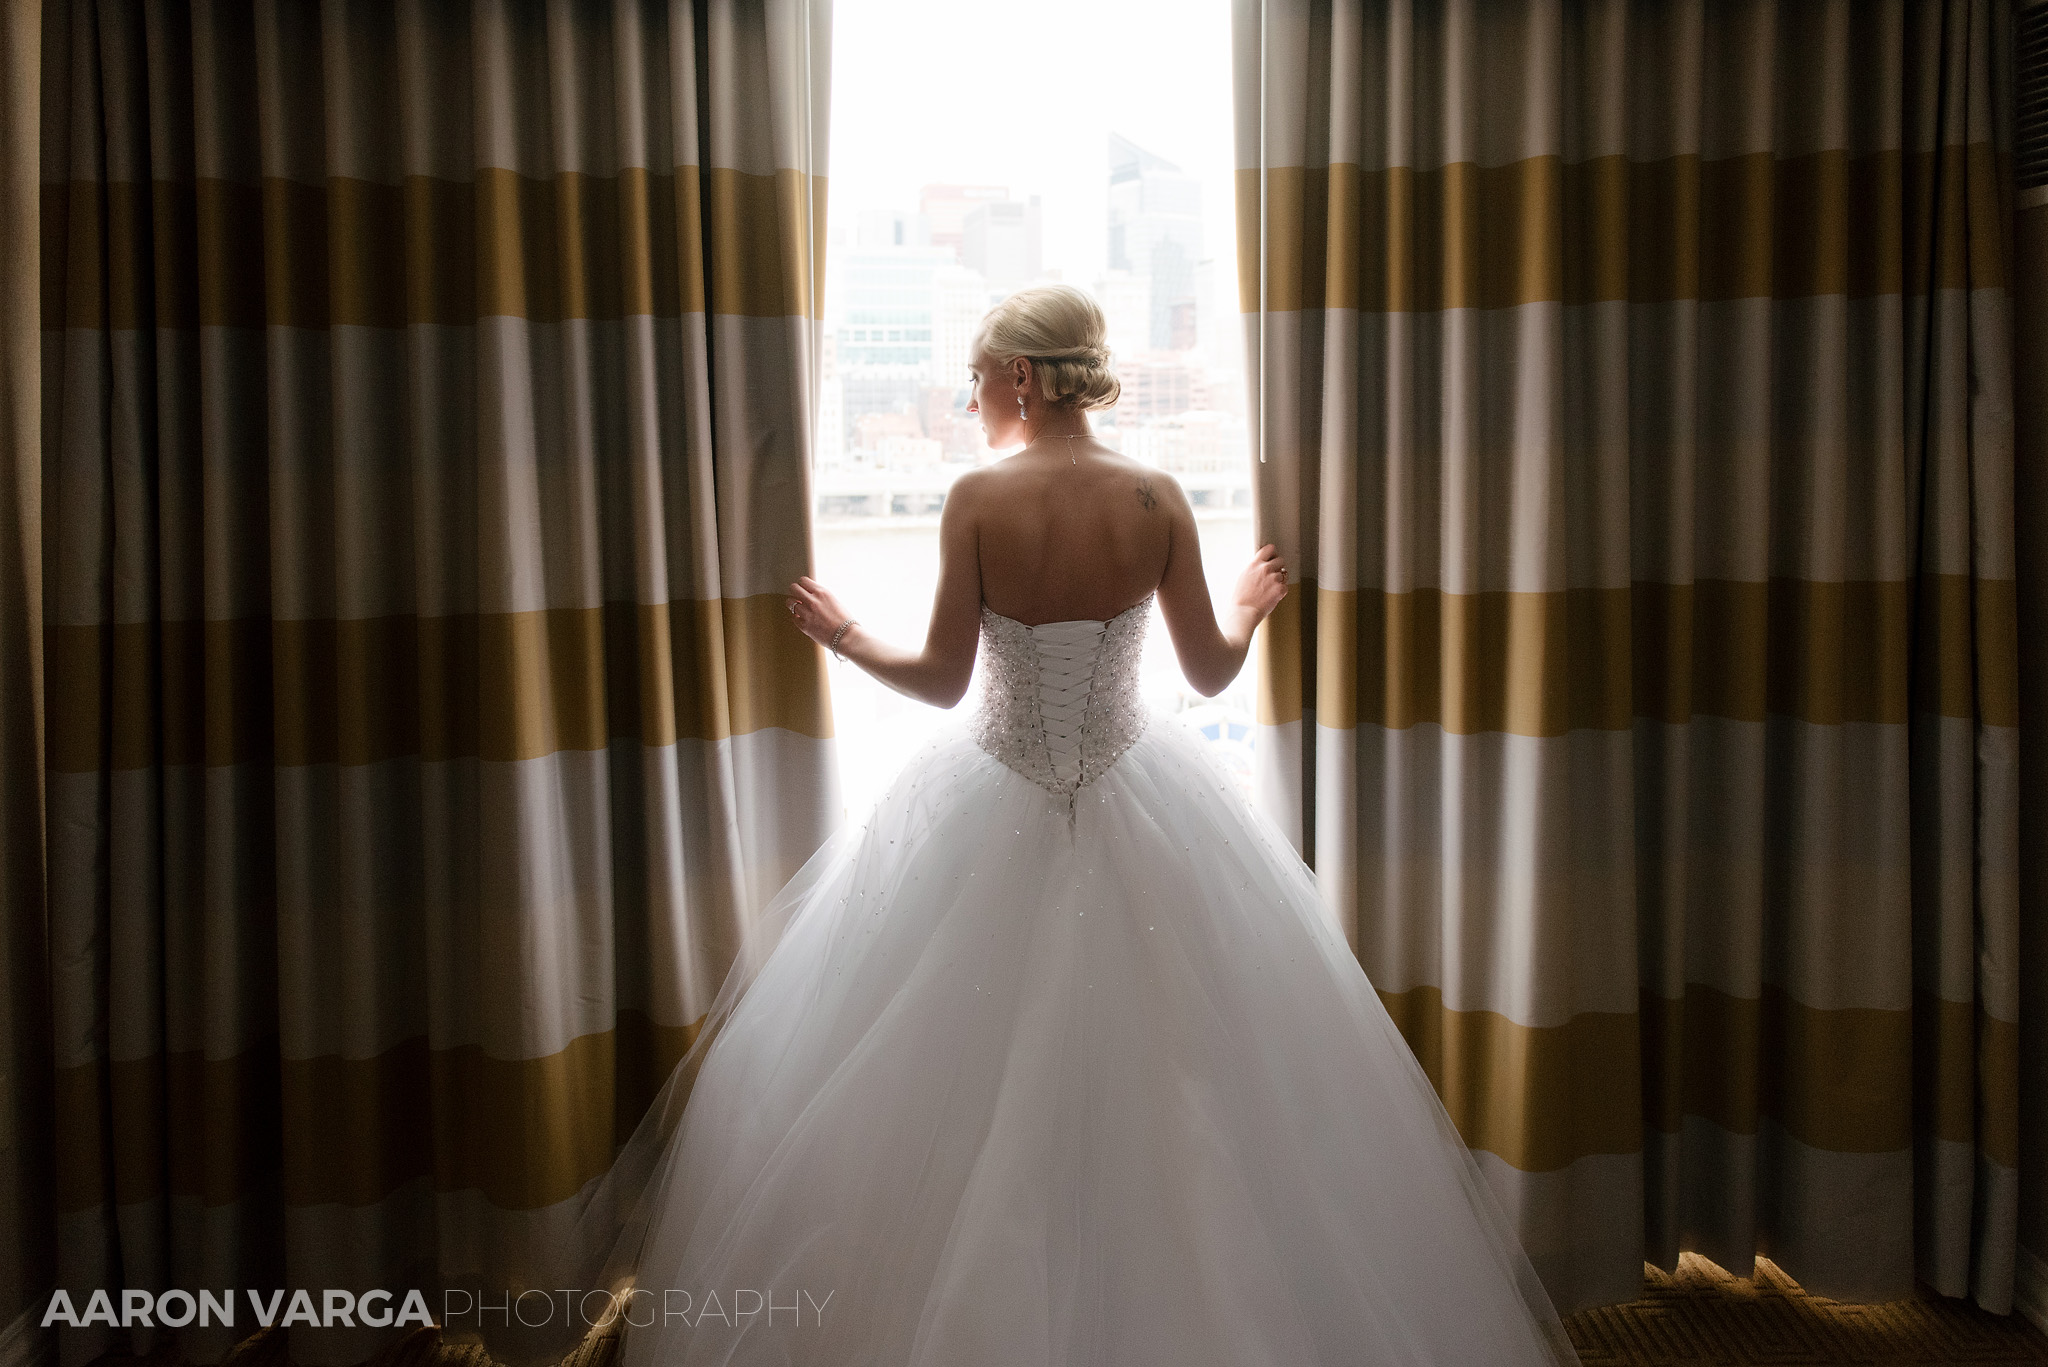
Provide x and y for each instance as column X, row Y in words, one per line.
column 837, row 636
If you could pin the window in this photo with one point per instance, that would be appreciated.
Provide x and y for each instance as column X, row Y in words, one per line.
column 1125, row 188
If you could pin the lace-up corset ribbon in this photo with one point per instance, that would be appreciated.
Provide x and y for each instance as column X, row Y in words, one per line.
column 1060, row 701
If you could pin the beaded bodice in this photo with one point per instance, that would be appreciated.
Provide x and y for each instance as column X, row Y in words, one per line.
column 1060, row 701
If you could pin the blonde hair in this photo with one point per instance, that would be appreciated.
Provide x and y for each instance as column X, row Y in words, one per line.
column 1062, row 332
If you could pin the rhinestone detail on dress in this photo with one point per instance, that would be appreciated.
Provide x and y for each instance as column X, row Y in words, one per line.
column 1060, row 701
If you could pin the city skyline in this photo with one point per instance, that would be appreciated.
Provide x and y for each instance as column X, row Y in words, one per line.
column 939, row 110
column 906, row 288
column 926, row 92
column 1155, row 231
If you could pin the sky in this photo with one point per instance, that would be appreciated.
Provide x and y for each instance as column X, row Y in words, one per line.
column 978, row 93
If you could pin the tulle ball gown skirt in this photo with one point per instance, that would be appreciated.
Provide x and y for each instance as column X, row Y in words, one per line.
column 1086, row 1079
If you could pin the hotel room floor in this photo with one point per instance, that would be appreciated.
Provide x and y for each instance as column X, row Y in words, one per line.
column 1702, row 1315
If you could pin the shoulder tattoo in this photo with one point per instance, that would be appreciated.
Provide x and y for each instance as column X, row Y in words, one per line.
column 1146, row 497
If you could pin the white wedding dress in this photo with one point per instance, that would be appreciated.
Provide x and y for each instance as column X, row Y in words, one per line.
column 1056, row 1061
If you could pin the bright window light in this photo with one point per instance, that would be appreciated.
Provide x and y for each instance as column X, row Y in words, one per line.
column 976, row 150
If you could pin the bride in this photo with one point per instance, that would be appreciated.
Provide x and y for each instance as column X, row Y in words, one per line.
column 1055, row 1059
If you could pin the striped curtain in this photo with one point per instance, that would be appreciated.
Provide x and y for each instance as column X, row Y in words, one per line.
column 427, row 394
column 2030, row 504
column 1636, row 402
column 25, row 1214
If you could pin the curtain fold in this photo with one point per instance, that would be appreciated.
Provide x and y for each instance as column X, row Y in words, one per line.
column 25, row 1155
column 427, row 398
column 2030, row 517
column 1635, row 390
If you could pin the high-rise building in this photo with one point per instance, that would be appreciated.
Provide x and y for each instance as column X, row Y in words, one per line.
column 891, row 228
column 884, row 301
column 1219, row 326
column 1155, row 231
column 879, row 311
column 945, row 209
column 1126, row 299
column 1003, row 240
column 868, row 391
column 960, row 298
column 1158, row 386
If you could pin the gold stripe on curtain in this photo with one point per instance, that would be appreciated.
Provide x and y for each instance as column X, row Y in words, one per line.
column 1636, row 405
column 428, row 396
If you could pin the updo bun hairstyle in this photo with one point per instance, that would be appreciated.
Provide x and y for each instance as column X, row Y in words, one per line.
column 1062, row 332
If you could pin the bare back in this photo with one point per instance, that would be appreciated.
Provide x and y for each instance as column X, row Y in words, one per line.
column 1063, row 540
column 1040, row 538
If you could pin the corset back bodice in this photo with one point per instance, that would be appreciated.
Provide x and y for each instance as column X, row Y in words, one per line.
column 1060, row 701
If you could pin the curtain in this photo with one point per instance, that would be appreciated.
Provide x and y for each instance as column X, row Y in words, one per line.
column 427, row 397
column 1635, row 391
column 2030, row 504
column 24, row 1012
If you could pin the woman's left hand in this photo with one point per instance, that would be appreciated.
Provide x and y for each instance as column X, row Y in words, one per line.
column 1262, row 584
column 816, row 610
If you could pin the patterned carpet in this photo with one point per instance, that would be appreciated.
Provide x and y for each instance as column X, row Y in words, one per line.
column 1699, row 1316
column 1702, row 1315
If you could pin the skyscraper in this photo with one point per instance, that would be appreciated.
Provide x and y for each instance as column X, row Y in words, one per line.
column 884, row 300
column 891, row 228
column 1001, row 239
column 945, row 209
column 880, row 302
column 1155, row 231
column 960, row 298
column 1126, row 299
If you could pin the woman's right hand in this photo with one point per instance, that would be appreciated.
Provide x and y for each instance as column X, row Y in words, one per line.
column 1262, row 585
column 816, row 610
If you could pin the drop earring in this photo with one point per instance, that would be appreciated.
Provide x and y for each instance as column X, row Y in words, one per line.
column 1022, row 416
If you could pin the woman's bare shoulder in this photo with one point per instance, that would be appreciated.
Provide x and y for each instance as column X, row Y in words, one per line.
column 992, row 485
column 1154, row 487
column 969, row 487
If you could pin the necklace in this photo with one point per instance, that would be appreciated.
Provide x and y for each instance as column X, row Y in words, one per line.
column 1068, row 437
